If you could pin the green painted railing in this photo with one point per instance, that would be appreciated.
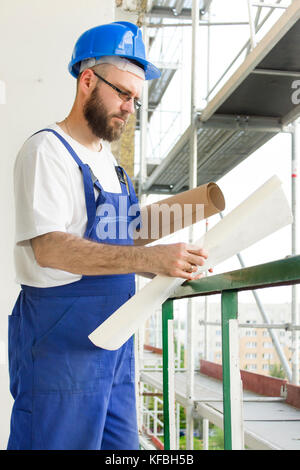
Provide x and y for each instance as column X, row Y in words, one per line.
column 167, row 315
column 277, row 273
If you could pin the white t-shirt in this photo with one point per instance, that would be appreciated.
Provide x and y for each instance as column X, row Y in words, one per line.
column 49, row 196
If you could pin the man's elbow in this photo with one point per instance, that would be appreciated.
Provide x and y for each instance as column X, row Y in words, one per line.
column 40, row 246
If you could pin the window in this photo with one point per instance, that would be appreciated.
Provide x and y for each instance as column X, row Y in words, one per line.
column 251, row 366
column 267, row 356
column 251, row 333
column 251, row 344
column 250, row 356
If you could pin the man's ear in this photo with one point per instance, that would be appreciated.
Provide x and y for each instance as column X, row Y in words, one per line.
column 87, row 81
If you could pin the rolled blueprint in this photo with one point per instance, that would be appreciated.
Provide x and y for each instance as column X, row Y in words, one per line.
column 179, row 211
column 260, row 215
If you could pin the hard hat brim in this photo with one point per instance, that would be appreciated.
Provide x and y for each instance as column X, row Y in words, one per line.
column 151, row 71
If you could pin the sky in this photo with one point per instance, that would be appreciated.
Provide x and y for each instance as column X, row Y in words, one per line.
column 173, row 115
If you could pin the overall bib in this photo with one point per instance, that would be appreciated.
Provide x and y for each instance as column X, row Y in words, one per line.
column 70, row 394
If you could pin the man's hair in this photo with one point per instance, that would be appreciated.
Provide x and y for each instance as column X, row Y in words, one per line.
column 102, row 69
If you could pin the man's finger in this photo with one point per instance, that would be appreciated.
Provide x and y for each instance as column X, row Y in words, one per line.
column 196, row 259
column 197, row 250
column 198, row 276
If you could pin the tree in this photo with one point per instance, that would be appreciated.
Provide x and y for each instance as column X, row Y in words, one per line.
column 276, row 370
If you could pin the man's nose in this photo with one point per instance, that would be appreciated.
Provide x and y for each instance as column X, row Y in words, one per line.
column 128, row 106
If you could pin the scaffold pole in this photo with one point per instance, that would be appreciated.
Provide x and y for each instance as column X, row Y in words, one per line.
column 232, row 390
column 168, row 376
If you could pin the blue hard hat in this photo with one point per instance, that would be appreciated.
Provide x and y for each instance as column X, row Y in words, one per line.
column 121, row 38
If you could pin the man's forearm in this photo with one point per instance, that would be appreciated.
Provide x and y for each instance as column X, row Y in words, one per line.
column 71, row 253
column 60, row 250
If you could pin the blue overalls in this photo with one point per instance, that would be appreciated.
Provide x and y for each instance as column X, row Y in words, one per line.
column 70, row 394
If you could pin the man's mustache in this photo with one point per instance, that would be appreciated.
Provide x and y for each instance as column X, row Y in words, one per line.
column 124, row 117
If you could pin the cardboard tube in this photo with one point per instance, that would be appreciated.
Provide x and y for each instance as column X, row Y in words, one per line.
column 179, row 211
column 263, row 213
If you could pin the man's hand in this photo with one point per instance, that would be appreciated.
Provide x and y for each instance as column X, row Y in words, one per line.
column 176, row 260
column 59, row 250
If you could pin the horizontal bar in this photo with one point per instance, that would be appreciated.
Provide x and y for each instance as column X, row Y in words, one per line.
column 160, row 370
column 245, row 400
column 269, row 5
column 279, row 73
column 279, row 326
column 241, row 122
column 176, row 25
column 276, row 273
column 168, row 12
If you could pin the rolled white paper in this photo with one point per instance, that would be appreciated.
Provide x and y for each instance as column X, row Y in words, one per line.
column 261, row 214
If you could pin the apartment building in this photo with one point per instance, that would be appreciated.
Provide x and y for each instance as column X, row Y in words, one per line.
column 257, row 353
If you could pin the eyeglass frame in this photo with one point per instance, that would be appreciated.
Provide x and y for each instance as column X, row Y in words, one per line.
column 125, row 97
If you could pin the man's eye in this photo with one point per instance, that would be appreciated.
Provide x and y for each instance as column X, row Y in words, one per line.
column 126, row 95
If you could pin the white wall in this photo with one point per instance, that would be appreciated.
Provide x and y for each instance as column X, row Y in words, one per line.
column 36, row 43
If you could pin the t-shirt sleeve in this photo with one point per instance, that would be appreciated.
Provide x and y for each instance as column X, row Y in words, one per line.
column 43, row 202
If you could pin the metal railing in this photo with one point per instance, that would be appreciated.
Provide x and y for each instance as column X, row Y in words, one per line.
column 255, row 25
column 277, row 273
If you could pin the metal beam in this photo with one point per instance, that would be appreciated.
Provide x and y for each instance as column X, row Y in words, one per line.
column 168, row 375
column 269, row 5
column 178, row 11
column 178, row 7
column 271, row 326
column 232, row 385
column 204, row 6
column 291, row 116
column 294, row 307
column 193, row 152
column 168, row 12
column 201, row 23
column 252, row 25
column 249, row 123
column 276, row 273
column 279, row 73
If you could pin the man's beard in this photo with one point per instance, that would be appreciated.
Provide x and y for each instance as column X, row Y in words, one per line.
column 98, row 118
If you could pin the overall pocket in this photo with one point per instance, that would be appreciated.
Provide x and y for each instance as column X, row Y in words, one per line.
column 64, row 358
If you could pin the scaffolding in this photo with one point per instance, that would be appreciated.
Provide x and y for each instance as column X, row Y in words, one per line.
column 245, row 108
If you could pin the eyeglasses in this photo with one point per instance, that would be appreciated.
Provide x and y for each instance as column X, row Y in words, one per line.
column 122, row 94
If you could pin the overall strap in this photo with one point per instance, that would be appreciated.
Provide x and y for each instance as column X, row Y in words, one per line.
column 121, row 177
column 132, row 195
column 87, row 180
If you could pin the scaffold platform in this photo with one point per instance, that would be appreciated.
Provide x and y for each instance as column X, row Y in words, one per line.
column 254, row 105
